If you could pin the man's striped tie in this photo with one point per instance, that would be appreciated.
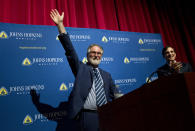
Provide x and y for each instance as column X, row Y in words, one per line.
column 100, row 93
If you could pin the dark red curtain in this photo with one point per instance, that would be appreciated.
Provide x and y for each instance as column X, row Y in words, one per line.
column 173, row 19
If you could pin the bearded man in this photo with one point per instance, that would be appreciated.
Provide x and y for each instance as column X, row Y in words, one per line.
column 93, row 87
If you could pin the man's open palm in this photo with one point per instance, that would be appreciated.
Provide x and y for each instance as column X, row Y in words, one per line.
column 56, row 17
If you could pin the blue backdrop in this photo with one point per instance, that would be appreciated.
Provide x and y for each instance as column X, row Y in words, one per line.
column 33, row 58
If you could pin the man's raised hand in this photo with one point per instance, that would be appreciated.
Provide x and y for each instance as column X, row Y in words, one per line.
column 58, row 20
column 56, row 17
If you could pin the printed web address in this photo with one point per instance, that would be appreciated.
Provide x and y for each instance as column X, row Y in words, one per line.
column 32, row 48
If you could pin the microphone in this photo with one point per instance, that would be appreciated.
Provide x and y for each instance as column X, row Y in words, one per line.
column 149, row 78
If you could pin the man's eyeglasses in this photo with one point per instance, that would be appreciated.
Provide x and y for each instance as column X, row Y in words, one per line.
column 94, row 52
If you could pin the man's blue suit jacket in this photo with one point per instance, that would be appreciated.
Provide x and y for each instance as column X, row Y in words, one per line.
column 83, row 78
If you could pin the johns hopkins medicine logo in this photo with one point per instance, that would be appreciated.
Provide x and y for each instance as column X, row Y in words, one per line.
column 42, row 61
column 21, row 35
column 26, row 62
column 78, row 37
column 30, row 119
column 3, row 35
column 63, row 87
column 20, row 89
column 3, row 91
column 27, row 120
column 104, row 60
column 115, row 39
column 142, row 41
column 126, row 60
column 134, row 60
column 104, row 39
column 66, row 87
column 37, row 118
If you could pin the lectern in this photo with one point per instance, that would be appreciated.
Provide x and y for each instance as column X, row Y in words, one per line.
column 166, row 104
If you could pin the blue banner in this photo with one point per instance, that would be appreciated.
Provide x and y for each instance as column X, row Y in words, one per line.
column 33, row 58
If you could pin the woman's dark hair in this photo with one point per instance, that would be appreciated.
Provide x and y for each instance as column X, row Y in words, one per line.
column 165, row 49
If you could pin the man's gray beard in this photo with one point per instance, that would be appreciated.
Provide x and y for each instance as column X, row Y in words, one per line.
column 94, row 62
